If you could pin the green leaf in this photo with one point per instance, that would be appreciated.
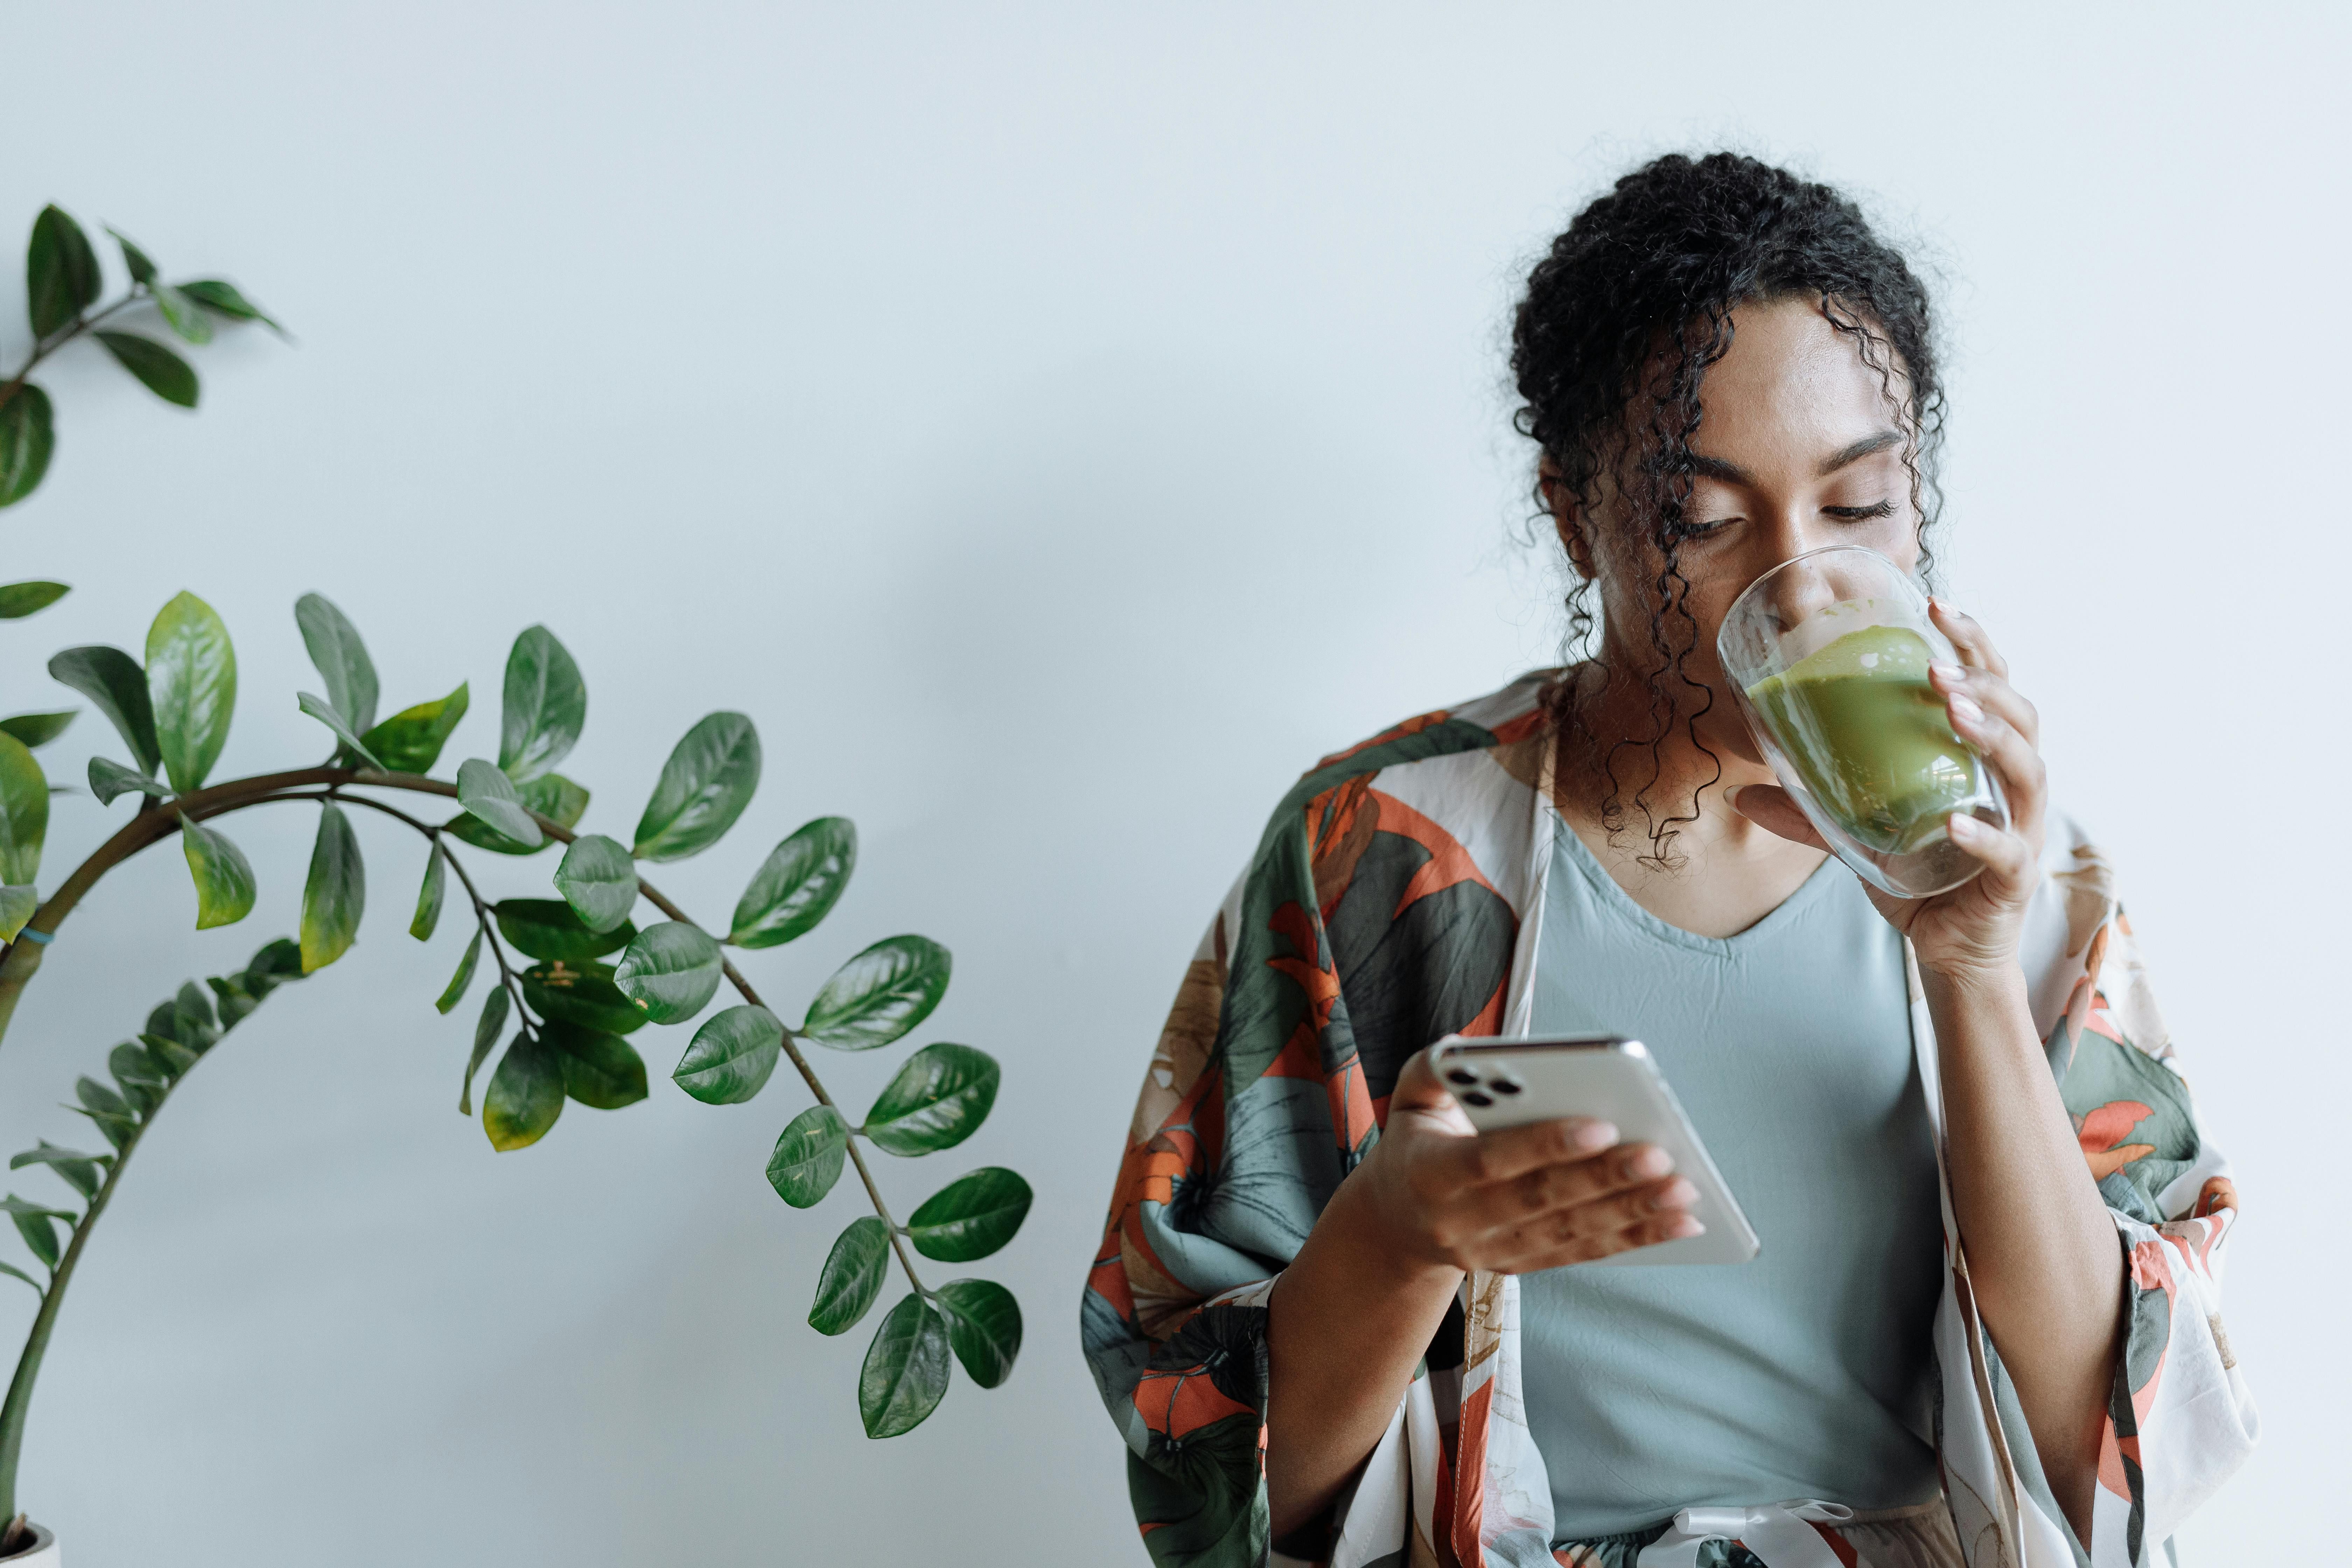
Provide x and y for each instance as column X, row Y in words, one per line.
column 117, row 1130
column 113, row 679
column 318, row 708
column 188, row 322
column 984, row 1326
column 600, row 1070
column 703, row 788
column 23, row 812
column 428, row 897
column 18, row 600
column 486, row 1030
column 17, row 905
column 142, row 1080
column 880, row 995
column 34, row 1224
column 525, row 1096
column 410, row 741
column 29, row 436
column 82, row 1170
column 224, row 876
column 109, row 780
column 938, row 1099
column 61, row 275
column 808, row 1157
column 193, row 1002
column 551, row 795
column 671, row 970
column 223, row 299
column 798, row 884
column 159, row 370
column 143, row 270
column 38, row 729
column 14, row 1272
column 731, row 1057
column 340, row 658
column 546, row 928
column 584, row 995
column 191, row 686
column 852, row 1276
column 181, row 1053
column 274, row 963
column 546, row 706
column 334, row 893
column 906, row 1370
column 171, row 1053
column 599, row 880
column 490, row 797
column 971, row 1216
column 155, row 1038
column 131, row 1063
column 456, row 990
column 97, row 1098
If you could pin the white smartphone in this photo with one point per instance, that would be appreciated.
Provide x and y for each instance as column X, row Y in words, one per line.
column 1509, row 1083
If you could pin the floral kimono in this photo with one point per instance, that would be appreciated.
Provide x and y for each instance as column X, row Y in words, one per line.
column 1388, row 905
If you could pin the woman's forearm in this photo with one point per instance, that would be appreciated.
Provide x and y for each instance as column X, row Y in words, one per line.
column 1346, row 1328
column 2043, row 1251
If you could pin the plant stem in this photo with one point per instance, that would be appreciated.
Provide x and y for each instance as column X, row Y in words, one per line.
column 149, row 825
column 153, row 824
column 36, row 1343
column 808, row 1076
column 41, row 351
column 507, row 977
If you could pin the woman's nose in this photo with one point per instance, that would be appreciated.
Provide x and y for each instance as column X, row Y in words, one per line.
column 1793, row 596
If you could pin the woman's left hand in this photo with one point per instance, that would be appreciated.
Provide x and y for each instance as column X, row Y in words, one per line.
column 1972, row 931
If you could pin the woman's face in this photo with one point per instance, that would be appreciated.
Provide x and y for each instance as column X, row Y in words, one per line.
column 1799, row 445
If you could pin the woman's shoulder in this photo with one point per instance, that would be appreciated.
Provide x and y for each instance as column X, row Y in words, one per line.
column 1497, row 726
column 1457, row 781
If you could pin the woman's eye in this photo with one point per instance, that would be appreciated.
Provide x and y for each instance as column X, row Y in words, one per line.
column 1860, row 513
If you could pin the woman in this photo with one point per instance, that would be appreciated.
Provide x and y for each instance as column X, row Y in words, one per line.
column 1334, row 1322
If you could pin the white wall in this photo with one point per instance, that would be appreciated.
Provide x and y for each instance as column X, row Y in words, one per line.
column 1055, row 426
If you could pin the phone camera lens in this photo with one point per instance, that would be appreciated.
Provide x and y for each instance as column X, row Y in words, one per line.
column 1461, row 1076
column 1504, row 1086
column 1474, row 1098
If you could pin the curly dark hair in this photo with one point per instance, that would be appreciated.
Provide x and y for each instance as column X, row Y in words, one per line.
column 1630, row 306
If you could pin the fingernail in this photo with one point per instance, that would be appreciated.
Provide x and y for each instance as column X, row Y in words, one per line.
column 1675, row 1194
column 1963, row 825
column 1683, row 1227
column 1592, row 1136
column 1950, row 672
column 1965, row 710
column 1653, row 1162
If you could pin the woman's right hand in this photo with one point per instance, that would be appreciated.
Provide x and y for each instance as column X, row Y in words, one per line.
column 1513, row 1201
column 1350, row 1318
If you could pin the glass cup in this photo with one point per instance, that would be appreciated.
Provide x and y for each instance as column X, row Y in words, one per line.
column 1829, row 653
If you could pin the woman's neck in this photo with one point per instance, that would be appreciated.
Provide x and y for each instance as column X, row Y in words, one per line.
column 1616, row 781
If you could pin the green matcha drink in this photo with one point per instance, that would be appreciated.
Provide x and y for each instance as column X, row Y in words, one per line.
column 1870, row 737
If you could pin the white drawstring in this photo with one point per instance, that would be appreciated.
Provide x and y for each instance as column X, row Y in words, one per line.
column 1781, row 1535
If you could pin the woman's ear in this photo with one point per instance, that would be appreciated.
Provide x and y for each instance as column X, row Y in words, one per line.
column 1568, row 515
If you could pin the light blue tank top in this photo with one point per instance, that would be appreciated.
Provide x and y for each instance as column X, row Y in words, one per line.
column 1809, row 1371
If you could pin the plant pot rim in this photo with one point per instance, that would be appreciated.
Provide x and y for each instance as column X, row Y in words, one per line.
column 43, row 1539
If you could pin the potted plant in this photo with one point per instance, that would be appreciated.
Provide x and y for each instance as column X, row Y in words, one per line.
column 566, row 980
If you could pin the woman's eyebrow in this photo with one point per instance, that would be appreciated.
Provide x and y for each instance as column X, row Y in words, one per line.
column 1860, row 449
